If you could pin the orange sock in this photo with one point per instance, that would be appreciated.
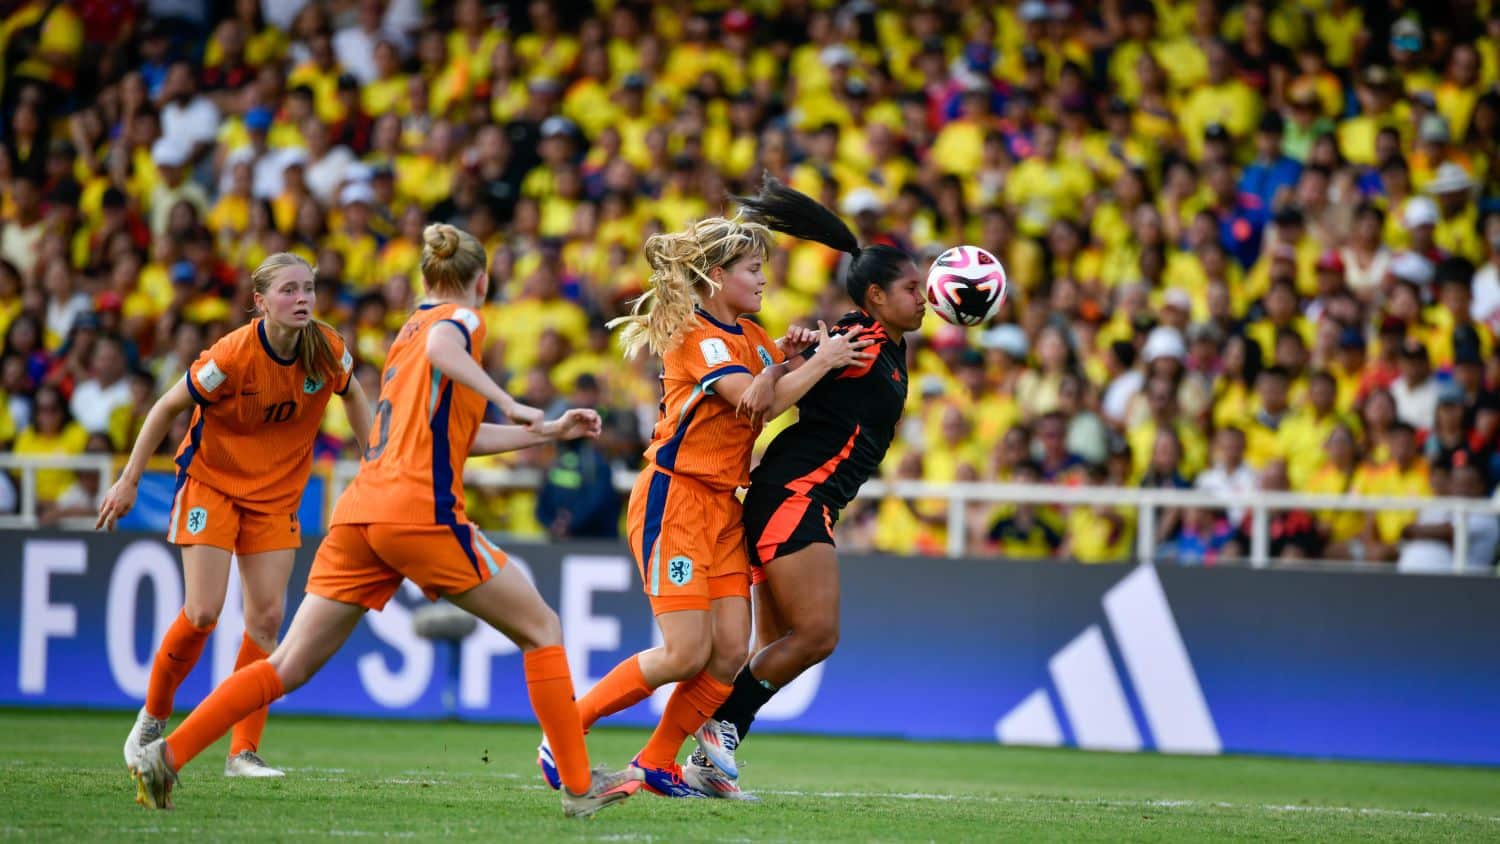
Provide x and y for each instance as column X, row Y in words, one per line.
column 550, row 685
column 178, row 653
column 246, row 690
column 692, row 702
column 247, row 732
column 623, row 687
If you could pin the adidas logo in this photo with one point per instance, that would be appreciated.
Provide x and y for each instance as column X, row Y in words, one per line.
column 1093, row 696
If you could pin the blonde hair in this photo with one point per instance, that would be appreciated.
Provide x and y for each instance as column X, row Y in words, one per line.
column 680, row 266
column 451, row 258
column 313, row 349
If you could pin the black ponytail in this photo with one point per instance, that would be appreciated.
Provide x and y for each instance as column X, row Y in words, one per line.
column 782, row 209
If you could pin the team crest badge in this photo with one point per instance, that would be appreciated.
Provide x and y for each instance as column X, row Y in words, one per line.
column 765, row 356
column 679, row 570
column 197, row 520
column 311, row 384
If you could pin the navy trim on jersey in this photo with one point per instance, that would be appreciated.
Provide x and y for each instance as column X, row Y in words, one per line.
column 425, row 306
column 468, row 345
column 732, row 329
column 442, row 467
column 666, row 456
column 732, row 369
column 265, row 343
column 465, row 537
column 184, row 460
column 198, row 397
column 656, row 507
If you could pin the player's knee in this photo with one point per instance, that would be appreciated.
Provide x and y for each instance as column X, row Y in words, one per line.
column 201, row 615
column 552, row 633
column 728, row 658
column 819, row 642
column 545, row 632
column 263, row 625
column 685, row 659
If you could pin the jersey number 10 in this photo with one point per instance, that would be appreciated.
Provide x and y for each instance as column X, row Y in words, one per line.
column 280, row 412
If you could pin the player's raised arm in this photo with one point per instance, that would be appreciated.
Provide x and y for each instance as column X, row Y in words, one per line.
column 776, row 394
column 447, row 349
column 578, row 423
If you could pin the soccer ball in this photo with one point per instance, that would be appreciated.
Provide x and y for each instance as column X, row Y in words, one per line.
column 966, row 285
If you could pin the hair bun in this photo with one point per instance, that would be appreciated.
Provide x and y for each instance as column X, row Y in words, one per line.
column 441, row 240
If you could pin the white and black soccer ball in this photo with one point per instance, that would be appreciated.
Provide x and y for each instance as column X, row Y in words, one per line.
column 966, row 285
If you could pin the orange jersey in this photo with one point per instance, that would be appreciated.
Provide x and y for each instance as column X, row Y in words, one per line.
column 697, row 434
column 412, row 473
column 251, row 436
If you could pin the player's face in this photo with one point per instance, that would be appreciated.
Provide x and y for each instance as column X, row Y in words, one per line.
column 901, row 304
column 289, row 299
column 742, row 283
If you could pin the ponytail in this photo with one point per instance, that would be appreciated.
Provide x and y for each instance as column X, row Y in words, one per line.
column 791, row 212
column 316, row 353
column 680, row 266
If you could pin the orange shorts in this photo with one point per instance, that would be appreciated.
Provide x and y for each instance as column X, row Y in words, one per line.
column 201, row 515
column 688, row 542
column 365, row 564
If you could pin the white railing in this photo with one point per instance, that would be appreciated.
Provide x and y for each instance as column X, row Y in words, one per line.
column 23, row 468
column 1146, row 502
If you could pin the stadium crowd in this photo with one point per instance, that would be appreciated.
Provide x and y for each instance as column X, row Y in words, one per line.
column 1249, row 246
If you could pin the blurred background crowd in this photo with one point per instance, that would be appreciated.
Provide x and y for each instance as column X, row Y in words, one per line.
column 1250, row 246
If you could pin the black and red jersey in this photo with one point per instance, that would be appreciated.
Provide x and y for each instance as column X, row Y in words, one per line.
column 847, row 423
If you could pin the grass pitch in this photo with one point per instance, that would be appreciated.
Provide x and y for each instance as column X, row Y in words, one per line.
column 63, row 780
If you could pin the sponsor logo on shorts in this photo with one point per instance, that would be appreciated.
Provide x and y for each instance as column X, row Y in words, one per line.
column 679, row 570
column 197, row 520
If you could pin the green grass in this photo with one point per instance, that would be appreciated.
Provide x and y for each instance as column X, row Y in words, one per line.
column 63, row 779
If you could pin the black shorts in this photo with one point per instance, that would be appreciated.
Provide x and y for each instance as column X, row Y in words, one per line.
column 779, row 521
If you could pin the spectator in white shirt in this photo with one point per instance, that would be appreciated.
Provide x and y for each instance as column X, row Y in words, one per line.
column 354, row 45
column 325, row 163
column 1427, row 543
column 1126, row 380
column 1230, row 476
column 1416, row 391
column 21, row 234
column 95, row 400
column 65, row 302
column 1485, row 306
column 188, row 118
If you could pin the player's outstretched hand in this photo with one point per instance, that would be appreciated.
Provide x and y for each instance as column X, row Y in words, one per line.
column 842, row 349
column 576, row 424
column 117, row 502
column 797, row 340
